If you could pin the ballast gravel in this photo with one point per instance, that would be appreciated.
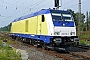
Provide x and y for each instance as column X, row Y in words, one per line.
column 34, row 54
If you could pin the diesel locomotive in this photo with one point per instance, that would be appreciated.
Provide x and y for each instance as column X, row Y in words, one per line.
column 48, row 28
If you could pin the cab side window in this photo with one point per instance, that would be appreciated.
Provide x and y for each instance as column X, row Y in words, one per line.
column 43, row 18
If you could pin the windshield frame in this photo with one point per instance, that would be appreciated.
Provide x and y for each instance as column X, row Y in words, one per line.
column 61, row 13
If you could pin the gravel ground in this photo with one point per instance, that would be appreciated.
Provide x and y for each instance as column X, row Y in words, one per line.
column 34, row 54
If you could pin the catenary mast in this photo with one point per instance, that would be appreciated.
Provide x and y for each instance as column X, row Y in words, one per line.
column 79, row 19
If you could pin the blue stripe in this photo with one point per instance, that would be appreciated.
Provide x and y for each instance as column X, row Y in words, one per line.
column 46, row 39
column 46, row 11
column 63, row 23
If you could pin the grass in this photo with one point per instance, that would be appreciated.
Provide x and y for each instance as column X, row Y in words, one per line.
column 85, row 34
column 85, row 38
column 7, row 53
column 84, row 42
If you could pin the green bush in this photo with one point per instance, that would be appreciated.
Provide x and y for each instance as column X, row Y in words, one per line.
column 84, row 42
column 7, row 53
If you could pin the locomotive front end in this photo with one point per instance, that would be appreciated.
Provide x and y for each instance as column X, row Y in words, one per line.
column 64, row 29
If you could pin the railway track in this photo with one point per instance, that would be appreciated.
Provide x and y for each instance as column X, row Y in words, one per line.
column 50, row 52
column 84, row 46
column 65, row 56
column 83, row 57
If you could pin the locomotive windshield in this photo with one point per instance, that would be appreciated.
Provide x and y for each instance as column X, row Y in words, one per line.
column 58, row 15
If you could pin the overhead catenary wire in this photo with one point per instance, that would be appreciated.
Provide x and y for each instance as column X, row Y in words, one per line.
column 35, row 7
column 41, row 1
column 29, row 6
column 16, row 1
column 17, row 7
column 68, row 2
column 21, row 4
column 12, row 4
column 5, row 16
column 35, row 3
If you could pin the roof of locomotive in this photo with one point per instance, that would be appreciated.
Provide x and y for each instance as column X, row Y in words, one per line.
column 43, row 11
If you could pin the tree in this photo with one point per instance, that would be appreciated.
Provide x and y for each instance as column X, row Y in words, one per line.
column 6, row 28
column 76, row 18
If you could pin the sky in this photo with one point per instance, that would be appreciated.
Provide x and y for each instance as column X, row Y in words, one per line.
column 12, row 9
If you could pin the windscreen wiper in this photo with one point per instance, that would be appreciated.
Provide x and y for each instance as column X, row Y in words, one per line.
column 62, row 17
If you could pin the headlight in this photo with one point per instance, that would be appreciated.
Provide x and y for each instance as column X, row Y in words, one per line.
column 72, row 33
column 57, row 40
column 57, row 33
column 54, row 40
column 72, row 39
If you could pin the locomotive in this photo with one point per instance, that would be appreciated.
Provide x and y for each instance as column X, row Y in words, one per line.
column 48, row 28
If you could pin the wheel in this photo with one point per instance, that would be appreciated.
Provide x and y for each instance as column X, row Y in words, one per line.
column 17, row 38
column 30, row 41
column 44, row 46
column 23, row 40
column 76, row 44
column 20, row 39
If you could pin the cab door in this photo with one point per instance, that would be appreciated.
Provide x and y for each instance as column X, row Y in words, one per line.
column 39, row 18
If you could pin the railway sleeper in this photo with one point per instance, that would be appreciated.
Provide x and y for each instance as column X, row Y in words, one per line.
column 79, row 55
